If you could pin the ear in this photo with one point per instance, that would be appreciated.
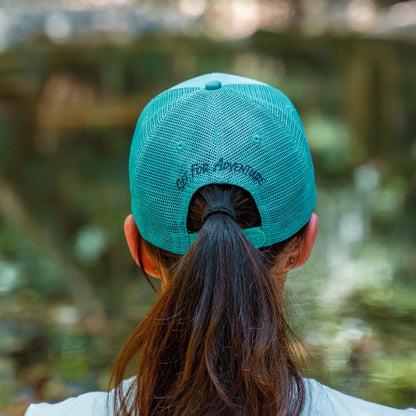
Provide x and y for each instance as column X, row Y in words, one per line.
column 301, row 254
column 133, row 239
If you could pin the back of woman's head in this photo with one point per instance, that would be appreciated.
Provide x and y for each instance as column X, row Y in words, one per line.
column 216, row 342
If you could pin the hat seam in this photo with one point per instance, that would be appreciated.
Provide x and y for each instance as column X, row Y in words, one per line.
column 166, row 113
column 278, row 112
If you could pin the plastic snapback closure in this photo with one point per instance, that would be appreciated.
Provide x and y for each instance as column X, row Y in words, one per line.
column 254, row 234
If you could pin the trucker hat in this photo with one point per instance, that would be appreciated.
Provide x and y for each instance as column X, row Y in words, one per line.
column 220, row 129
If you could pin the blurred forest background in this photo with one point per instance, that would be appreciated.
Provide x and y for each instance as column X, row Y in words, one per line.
column 74, row 76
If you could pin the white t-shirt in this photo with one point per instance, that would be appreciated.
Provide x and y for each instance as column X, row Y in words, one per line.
column 320, row 401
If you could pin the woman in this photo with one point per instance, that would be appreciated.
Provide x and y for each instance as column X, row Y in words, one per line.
column 223, row 192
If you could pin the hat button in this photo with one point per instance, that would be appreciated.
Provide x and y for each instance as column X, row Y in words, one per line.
column 213, row 85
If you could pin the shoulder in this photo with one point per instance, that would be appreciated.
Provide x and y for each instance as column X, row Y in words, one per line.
column 88, row 404
column 97, row 403
column 324, row 401
column 320, row 401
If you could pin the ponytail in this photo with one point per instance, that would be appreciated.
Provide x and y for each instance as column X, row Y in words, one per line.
column 216, row 342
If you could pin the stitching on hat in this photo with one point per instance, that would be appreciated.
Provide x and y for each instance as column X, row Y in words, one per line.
column 280, row 115
column 155, row 120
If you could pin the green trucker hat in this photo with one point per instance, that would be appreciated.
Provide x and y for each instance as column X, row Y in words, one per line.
column 220, row 129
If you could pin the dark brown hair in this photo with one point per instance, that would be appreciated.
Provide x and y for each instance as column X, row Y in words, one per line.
column 216, row 342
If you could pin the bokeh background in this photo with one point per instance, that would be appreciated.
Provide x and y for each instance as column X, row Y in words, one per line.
column 74, row 76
